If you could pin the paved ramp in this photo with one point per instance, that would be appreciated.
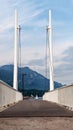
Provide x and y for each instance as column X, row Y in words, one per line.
column 36, row 108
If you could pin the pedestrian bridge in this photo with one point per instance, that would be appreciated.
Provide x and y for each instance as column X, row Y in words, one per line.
column 62, row 96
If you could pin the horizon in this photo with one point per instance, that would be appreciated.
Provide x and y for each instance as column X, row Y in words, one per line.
column 33, row 19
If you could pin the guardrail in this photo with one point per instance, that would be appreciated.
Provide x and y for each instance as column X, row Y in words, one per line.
column 8, row 95
column 63, row 96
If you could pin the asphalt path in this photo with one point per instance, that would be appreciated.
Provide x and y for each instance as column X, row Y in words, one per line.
column 36, row 108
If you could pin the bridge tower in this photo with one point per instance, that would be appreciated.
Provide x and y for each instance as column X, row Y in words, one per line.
column 50, row 51
column 15, row 81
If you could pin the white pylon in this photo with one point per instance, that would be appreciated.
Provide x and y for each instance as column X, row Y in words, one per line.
column 50, row 51
column 15, row 82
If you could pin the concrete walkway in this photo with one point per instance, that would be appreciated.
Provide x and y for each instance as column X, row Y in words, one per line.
column 36, row 108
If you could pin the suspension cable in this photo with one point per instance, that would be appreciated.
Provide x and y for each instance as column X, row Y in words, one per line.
column 46, row 54
column 20, row 76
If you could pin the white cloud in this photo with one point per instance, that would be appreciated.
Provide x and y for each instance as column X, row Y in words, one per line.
column 6, row 57
column 64, row 70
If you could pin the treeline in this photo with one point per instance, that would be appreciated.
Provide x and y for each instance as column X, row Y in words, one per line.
column 33, row 92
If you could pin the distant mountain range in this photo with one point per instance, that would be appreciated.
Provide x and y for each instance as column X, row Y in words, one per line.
column 28, row 80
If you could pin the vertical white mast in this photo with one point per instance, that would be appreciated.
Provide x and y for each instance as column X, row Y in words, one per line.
column 15, row 82
column 50, row 52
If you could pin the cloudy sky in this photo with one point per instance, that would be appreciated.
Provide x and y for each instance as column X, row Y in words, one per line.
column 33, row 19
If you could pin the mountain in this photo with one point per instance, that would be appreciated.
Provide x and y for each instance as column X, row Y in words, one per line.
column 6, row 74
column 28, row 80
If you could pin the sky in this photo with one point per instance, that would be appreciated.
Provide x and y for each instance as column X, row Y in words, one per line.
column 33, row 19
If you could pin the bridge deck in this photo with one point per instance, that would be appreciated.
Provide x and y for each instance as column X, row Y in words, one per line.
column 36, row 108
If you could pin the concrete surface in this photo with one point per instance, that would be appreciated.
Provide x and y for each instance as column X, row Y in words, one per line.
column 36, row 108
column 37, row 123
column 8, row 95
column 63, row 96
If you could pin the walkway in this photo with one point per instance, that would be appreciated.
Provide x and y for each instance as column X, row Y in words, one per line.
column 36, row 108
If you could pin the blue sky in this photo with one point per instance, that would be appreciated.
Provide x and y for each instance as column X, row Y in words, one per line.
column 33, row 18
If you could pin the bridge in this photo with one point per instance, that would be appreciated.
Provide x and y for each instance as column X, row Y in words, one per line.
column 52, row 105
column 8, row 95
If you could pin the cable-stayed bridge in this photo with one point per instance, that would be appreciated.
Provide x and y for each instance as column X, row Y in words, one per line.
column 62, row 96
